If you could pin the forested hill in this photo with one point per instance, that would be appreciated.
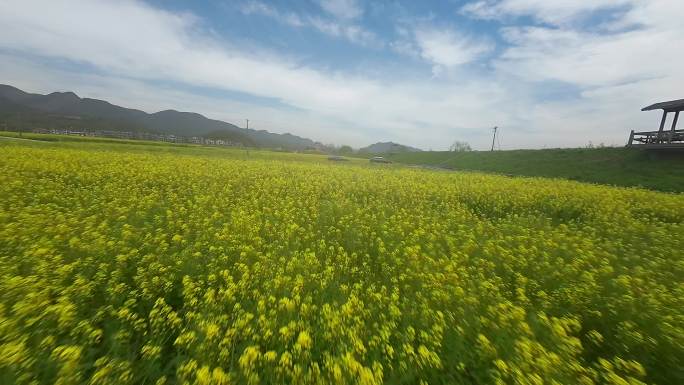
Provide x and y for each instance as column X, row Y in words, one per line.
column 19, row 109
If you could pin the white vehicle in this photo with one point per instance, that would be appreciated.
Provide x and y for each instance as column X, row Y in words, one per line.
column 379, row 159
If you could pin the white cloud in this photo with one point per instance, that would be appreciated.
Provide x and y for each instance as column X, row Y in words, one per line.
column 445, row 48
column 586, row 59
column 342, row 9
column 592, row 59
column 344, row 28
column 448, row 47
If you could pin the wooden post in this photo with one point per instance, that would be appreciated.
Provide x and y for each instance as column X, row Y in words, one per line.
column 662, row 125
column 631, row 138
column 662, row 121
column 674, row 124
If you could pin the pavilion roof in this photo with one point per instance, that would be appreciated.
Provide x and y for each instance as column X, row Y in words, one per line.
column 671, row 106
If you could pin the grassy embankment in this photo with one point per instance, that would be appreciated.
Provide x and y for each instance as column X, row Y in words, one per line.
column 662, row 171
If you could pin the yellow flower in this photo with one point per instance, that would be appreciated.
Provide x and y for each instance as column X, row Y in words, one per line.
column 304, row 340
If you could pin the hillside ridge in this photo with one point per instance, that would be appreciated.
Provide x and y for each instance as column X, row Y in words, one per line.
column 387, row 147
column 66, row 109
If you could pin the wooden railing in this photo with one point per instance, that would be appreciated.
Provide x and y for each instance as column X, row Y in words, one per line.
column 656, row 137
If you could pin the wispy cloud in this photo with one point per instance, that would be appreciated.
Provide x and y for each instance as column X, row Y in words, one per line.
column 448, row 47
column 259, row 8
column 443, row 47
column 342, row 9
column 553, row 12
column 342, row 26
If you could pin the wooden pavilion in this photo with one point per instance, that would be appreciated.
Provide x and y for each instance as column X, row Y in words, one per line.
column 662, row 138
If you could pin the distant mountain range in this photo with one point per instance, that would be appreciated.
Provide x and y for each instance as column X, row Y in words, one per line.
column 62, row 110
column 388, row 147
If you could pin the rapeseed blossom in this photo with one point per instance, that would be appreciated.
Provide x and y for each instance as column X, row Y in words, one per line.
column 129, row 267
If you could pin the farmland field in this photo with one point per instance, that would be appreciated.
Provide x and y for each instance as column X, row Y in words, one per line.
column 137, row 264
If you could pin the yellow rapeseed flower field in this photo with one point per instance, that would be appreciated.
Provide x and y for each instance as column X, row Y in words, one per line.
column 134, row 267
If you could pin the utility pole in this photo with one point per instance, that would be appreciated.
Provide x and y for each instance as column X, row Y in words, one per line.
column 494, row 137
column 246, row 148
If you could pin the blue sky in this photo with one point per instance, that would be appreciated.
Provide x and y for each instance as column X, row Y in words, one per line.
column 550, row 73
